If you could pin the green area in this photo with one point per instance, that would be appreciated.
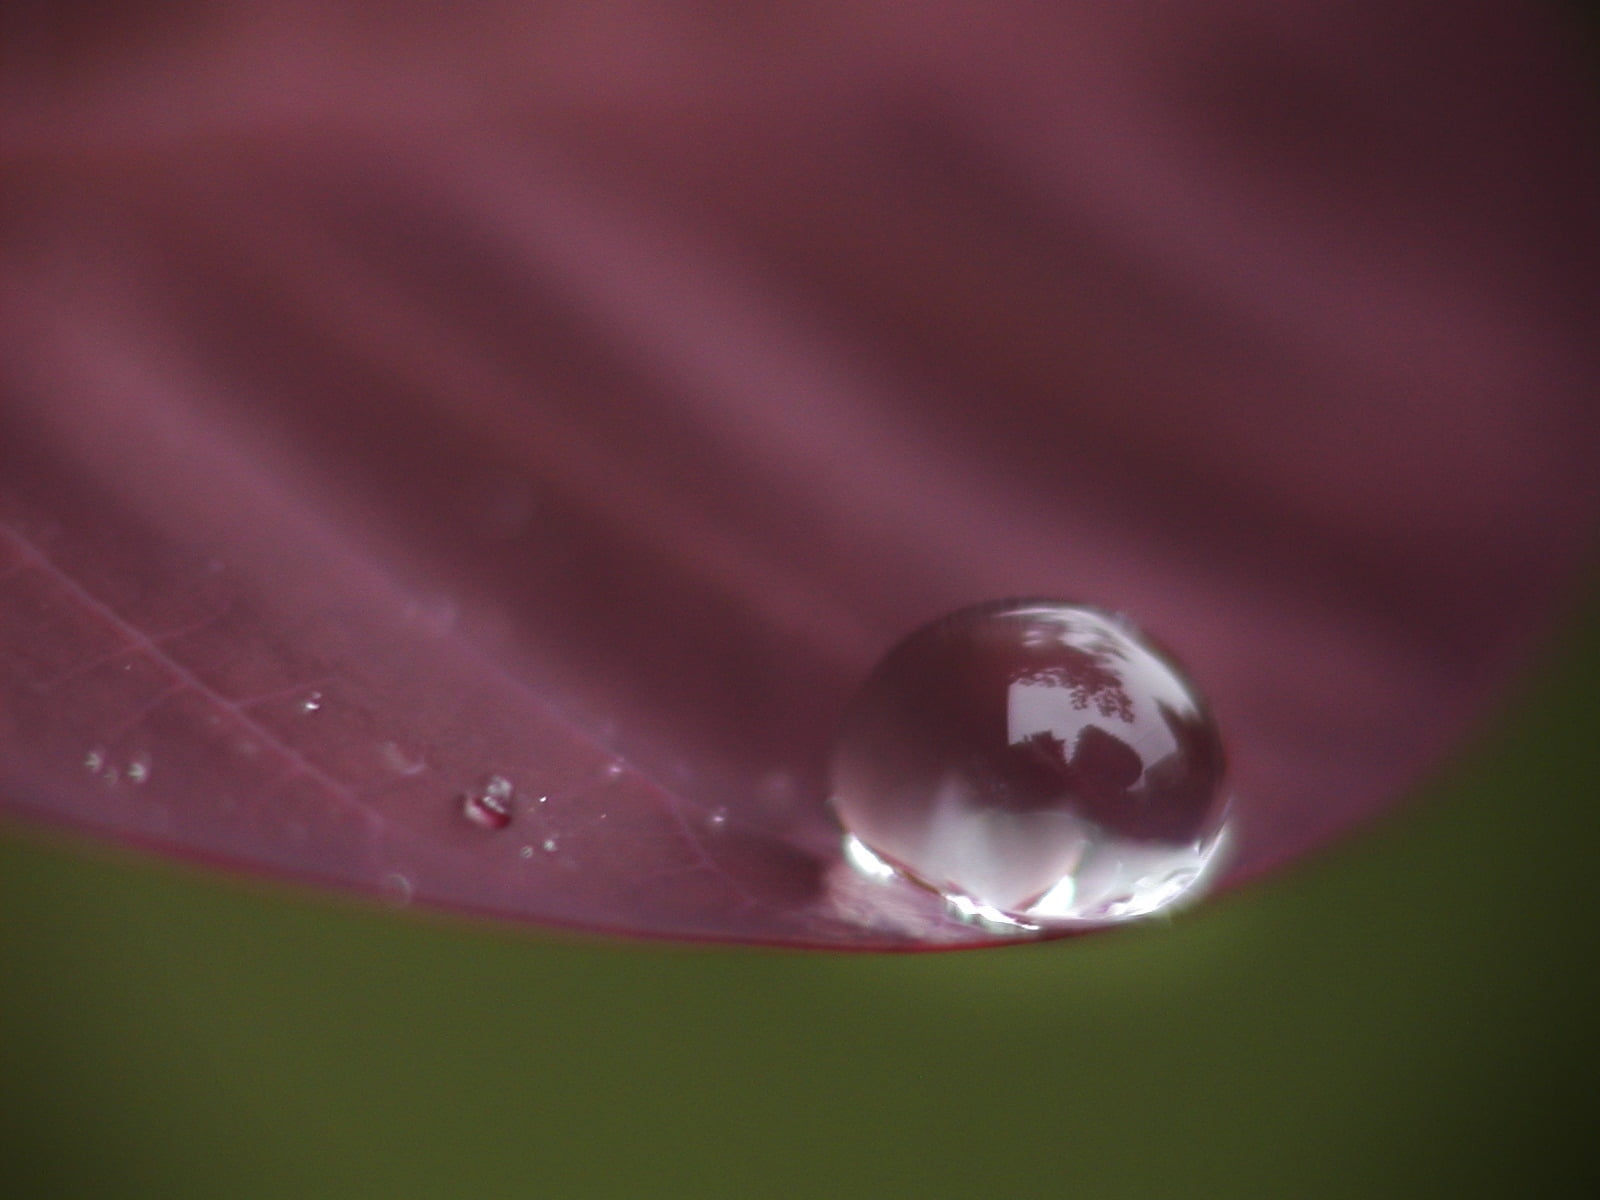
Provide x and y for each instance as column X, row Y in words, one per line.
column 1411, row 1015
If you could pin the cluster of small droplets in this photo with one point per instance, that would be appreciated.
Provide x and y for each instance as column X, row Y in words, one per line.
column 99, row 763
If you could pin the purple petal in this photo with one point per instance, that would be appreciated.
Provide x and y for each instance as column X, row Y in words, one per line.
column 393, row 410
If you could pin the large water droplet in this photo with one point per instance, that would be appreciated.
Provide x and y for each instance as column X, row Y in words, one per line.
column 1034, row 762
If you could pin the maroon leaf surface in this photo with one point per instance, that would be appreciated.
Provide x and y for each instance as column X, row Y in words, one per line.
column 411, row 422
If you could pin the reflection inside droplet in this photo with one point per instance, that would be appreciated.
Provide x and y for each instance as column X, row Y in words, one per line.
column 1035, row 763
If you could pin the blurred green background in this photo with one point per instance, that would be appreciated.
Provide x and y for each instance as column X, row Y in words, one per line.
column 1411, row 1014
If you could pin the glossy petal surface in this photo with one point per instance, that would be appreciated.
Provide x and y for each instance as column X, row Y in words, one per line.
column 390, row 407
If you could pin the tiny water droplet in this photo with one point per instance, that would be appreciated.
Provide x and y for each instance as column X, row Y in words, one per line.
column 401, row 760
column 94, row 760
column 398, row 889
column 613, row 770
column 717, row 818
column 490, row 806
column 1034, row 762
column 138, row 769
column 526, row 852
column 311, row 703
column 549, row 845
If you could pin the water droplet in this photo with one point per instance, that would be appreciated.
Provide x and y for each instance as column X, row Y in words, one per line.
column 1035, row 763
column 94, row 760
column 490, row 806
column 717, row 818
column 398, row 889
column 138, row 769
column 526, row 852
column 548, row 845
column 311, row 703
column 400, row 760
column 613, row 770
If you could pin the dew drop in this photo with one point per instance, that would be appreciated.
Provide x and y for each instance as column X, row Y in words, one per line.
column 1036, row 763
column 548, row 845
column 489, row 807
column 717, row 818
column 138, row 769
column 94, row 760
column 311, row 703
column 398, row 889
column 401, row 760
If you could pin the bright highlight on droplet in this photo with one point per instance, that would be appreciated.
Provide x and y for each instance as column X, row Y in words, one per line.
column 489, row 807
column 1036, row 763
